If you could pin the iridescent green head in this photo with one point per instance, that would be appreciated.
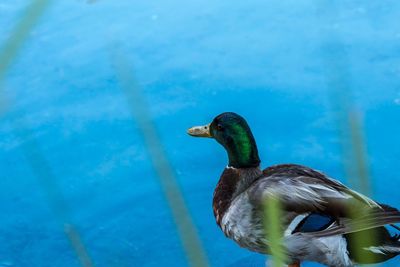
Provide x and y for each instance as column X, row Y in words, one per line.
column 234, row 134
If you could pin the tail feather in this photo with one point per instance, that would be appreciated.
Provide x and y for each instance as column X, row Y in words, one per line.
column 378, row 247
column 385, row 250
column 373, row 219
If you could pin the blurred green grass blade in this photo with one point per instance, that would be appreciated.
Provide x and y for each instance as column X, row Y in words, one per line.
column 139, row 109
column 364, row 240
column 352, row 137
column 352, row 140
column 20, row 33
column 8, row 53
column 351, row 133
column 76, row 241
column 48, row 182
column 273, row 228
column 360, row 157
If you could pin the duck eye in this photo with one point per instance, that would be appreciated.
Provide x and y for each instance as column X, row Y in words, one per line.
column 219, row 127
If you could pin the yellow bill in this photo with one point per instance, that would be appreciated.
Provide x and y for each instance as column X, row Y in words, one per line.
column 200, row 131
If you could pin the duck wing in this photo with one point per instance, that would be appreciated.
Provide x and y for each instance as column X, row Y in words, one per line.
column 374, row 219
column 304, row 191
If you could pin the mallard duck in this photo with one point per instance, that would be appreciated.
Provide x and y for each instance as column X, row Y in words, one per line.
column 321, row 218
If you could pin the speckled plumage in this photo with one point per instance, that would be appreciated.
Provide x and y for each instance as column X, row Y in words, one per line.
column 238, row 210
column 320, row 216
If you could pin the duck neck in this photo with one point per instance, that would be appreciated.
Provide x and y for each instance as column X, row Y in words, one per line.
column 242, row 151
column 231, row 184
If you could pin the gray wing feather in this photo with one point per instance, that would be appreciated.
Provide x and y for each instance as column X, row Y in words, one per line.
column 349, row 225
column 303, row 190
column 300, row 194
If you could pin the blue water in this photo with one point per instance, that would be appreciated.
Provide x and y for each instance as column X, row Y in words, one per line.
column 267, row 60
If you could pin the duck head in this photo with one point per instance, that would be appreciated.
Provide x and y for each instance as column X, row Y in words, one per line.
column 234, row 134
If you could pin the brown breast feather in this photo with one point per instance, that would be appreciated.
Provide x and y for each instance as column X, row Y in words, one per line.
column 224, row 191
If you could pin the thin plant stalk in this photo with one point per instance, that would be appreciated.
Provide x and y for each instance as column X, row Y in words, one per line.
column 273, row 230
